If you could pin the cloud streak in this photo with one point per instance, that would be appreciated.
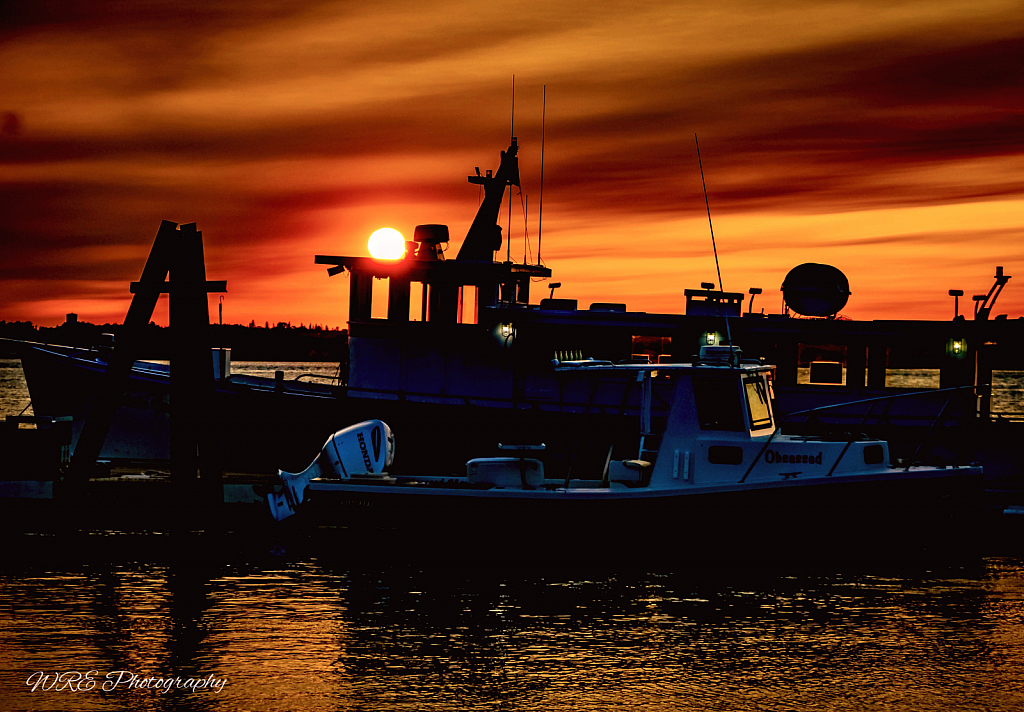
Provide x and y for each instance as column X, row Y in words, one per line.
column 285, row 131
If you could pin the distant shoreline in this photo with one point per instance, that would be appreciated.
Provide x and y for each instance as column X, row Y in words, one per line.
column 281, row 342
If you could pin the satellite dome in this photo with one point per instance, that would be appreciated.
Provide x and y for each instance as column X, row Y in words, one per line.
column 811, row 289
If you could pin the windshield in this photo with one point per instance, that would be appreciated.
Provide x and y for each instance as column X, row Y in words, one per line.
column 758, row 407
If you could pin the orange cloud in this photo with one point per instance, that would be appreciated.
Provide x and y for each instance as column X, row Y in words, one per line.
column 860, row 135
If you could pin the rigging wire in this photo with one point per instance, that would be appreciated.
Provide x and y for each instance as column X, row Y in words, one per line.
column 707, row 204
column 508, row 237
column 526, row 229
column 540, row 219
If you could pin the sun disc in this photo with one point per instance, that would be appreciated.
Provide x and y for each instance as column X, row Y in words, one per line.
column 386, row 244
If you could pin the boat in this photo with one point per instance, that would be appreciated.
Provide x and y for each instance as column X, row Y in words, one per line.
column 720, row 457
column 466, row 350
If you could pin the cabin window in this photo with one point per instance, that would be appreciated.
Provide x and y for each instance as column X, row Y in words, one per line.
column 725, row 455
column 718, row 403
column 916, row 378
column 915, row 364
column 1007, row 387
column 821, row 365
column 379, row 298
column 651, row 349
column 468, row 304
column 873, row 454
column 758, row 407
column 419, row 294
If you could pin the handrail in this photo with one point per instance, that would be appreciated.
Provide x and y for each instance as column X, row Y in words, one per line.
column 778, row 428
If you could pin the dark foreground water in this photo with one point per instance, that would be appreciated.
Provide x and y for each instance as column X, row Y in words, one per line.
column 327, row 621
column 321, row 622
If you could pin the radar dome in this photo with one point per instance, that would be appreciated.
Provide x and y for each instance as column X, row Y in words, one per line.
column 815, row 290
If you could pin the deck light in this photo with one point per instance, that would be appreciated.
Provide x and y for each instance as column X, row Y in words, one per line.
column 709, row 338
column 957, row 348
column 505, row 334
column 386, row 244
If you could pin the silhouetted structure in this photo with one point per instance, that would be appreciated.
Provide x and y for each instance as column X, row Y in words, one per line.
column 459, row 353
column 180, row 254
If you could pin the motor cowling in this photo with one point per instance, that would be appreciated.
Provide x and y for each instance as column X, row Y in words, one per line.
column 363, row 449
column 366, row 448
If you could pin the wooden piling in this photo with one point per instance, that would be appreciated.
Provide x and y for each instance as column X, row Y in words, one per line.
column 179, row 253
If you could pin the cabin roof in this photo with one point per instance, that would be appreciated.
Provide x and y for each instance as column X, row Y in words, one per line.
column 704, row 367
column 462, row 272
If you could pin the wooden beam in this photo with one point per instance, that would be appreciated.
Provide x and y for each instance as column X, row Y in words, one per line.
column 115, row 379
column 166, row 287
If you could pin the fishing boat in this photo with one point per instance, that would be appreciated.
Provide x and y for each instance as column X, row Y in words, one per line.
column 450, row 351
column 719, row 456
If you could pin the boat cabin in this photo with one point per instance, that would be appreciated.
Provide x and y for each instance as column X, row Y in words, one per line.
column 447, row 330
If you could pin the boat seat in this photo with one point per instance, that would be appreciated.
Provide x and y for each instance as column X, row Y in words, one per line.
column 507, row 472
column 628, row 470
column 530, row 471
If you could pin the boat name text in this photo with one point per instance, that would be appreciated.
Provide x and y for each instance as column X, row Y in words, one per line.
column 365, row 453
column 773, row 456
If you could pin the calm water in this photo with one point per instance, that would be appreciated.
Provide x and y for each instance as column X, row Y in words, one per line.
column 309, row 624
column 288, row 621
column 15, row 400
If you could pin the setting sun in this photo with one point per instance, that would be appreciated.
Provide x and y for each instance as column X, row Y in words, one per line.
column 386, row 244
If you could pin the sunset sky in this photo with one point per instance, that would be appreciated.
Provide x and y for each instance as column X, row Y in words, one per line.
column 885, row 138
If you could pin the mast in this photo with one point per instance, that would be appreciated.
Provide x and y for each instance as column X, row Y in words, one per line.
column 484, row 236
column 540, row 219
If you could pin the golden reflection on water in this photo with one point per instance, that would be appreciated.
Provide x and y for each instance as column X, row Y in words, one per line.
column 310, row 627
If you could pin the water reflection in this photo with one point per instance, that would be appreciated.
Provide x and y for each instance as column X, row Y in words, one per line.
column 304, row 624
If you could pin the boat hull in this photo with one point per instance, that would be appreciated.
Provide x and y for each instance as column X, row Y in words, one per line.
column 937, row 499
column 260, row 426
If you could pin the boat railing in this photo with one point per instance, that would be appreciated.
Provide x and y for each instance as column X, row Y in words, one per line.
column 625, row 407
column 870, row 402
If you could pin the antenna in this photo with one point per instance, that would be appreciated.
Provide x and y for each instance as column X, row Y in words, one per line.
column 508, row 237
column 526, row 227
column 540, row 220
column 712, row 227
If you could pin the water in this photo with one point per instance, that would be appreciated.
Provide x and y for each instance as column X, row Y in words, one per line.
column 288, row 621
column 14, row 397
column 1007, row 386
column 303, row 624
column 1008, row 392
column 314, row 371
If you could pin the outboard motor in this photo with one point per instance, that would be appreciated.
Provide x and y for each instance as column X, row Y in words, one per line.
column 365, row 449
